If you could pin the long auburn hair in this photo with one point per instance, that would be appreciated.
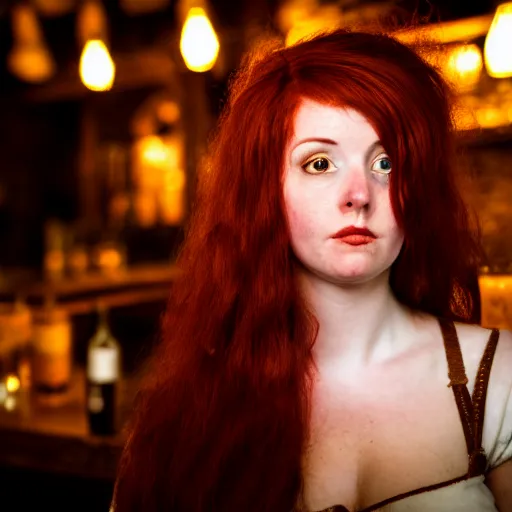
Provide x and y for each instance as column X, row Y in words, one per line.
column 221, row 422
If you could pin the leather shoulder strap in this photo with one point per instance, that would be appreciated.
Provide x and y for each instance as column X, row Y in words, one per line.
column 458, row 380
column 481, row 384
column 471, row 409
column 456, row 370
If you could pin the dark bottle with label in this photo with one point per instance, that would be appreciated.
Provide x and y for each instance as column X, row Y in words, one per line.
column 103, row 376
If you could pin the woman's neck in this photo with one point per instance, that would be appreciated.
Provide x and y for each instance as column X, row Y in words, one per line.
column 359, row 324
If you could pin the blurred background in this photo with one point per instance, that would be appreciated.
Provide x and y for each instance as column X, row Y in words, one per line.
column 105, row 111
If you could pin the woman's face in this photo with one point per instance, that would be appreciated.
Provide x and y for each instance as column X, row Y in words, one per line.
column 337, row 176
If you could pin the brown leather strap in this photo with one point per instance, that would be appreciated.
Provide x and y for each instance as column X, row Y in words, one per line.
column 456, row 370
column 480, row 395
column 458, row 381
column 471, row 410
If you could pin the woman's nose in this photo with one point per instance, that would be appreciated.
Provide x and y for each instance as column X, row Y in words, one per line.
column 355, row 193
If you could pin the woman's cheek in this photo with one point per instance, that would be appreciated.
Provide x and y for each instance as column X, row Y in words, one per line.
column 301, row 221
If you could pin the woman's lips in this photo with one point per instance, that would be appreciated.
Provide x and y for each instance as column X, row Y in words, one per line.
column 353, row 235
column 356, row 239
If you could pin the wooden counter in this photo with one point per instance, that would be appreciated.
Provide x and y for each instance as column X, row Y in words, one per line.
column 55, row 438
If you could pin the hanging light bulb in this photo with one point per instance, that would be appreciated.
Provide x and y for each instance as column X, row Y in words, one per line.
column 91, row 22
column 498, row 43
column 97, row 69
column 199, row 44
column 30, row 59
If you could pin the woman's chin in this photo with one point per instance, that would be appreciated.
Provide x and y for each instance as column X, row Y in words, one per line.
column 345, row 273
column 354, row 275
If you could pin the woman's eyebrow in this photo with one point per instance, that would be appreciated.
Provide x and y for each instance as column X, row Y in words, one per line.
column 316, row 139
column 331, row 142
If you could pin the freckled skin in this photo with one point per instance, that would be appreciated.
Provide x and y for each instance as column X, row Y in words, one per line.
column 352, row 191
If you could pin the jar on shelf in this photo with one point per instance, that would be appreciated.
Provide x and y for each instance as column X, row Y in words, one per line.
column 51, row 352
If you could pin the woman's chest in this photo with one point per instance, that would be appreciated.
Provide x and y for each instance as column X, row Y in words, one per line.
column 369, row 443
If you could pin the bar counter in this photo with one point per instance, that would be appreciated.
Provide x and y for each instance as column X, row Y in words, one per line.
column 55, row 438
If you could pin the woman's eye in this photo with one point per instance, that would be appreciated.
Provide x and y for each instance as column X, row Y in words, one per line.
column 382, row 165
column 319, row 165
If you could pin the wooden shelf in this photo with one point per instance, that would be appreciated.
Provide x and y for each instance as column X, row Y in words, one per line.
column 139, row 276
column 132, row 277
column 137, row 284
column 115, row 300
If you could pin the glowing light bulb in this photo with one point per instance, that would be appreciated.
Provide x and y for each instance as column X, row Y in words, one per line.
column 10, row 403
column 97, row 69
column 467, row 59
column 199, row 44
column 154, row 150
column 498, row 43
column 12, row 383
column 30, row 59
column 465, row 66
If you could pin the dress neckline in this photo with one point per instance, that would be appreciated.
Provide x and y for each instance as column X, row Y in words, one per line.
column 405, row 495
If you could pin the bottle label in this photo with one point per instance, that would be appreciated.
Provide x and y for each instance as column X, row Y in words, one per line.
column 103, row 365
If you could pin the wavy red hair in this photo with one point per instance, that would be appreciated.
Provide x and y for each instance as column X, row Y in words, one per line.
column 222, row 420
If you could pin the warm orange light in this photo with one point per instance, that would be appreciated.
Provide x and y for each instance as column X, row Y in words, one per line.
column 110, row 259
column 492, row 116
column 496, row 293
column 300, row 19
column 304, row 29
column 54, row 7
column 12, row 383
column 465, row 119
column 160, row 179
column 466, row 59
column 154, row 150
column 10, row 403
column 199, row 44
column 447, row 32
column 30, row 59
column 465, row 66
column 172, row 198
column 498, row 43
column 97, row 69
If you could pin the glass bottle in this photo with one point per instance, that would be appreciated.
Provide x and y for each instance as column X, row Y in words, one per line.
column 103, row 375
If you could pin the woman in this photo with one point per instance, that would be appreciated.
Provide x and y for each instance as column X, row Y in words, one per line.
column 303, row 362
